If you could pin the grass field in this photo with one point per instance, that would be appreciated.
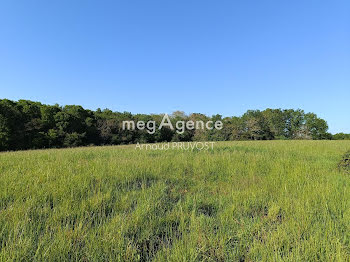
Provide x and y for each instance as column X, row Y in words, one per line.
column 242, row 201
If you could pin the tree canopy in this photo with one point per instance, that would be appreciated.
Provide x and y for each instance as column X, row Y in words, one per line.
column 26, row 124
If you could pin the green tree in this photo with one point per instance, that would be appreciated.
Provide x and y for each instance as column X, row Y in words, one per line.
column 316, row 126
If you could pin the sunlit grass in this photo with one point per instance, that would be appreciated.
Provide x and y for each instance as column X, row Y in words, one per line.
column 242, row 201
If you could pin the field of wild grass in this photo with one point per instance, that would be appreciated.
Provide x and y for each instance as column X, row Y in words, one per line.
column 241, row 201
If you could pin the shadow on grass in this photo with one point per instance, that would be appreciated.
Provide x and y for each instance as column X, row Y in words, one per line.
column 344, row 164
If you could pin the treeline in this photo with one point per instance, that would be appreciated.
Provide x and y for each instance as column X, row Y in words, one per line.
column 341, row 136
column 30, row 125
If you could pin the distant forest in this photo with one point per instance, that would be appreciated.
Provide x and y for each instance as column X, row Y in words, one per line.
column 31, row 125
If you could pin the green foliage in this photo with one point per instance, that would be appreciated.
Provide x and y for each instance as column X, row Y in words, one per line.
column 31, row 125
column 4, row 133
column 241, row 201
column 341, row 136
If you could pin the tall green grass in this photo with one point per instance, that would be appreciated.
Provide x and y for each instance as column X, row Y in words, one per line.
column 242, row 201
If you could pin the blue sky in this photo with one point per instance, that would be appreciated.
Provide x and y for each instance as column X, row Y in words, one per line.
column 196, row 55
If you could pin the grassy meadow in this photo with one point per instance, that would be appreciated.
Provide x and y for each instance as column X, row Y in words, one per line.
column 241, row 201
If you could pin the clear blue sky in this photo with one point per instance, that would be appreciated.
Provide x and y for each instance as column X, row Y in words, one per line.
column 196, row 55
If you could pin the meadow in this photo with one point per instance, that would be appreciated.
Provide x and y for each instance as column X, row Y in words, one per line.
column 241, row 201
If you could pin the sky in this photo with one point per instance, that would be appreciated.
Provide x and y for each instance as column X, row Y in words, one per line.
column 197, row 56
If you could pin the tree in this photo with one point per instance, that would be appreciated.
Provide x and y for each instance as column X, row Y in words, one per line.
column 276, row 123
column 294, row 121
column 200, row 134
column 256, row 126
column 341, row 136
column 316, row 126
column 26, row 124
column 5, row 135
